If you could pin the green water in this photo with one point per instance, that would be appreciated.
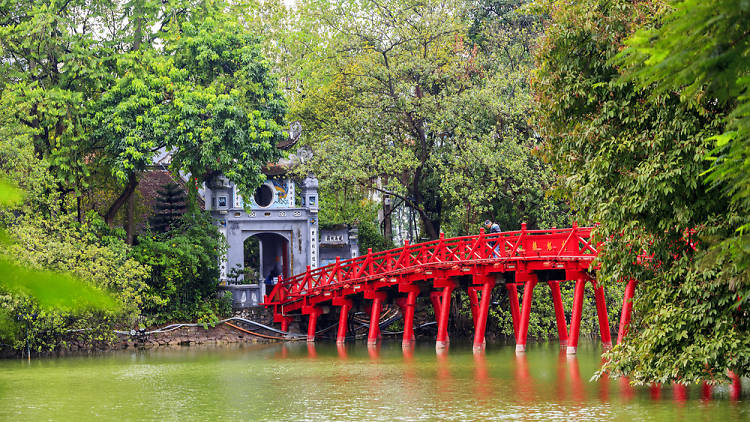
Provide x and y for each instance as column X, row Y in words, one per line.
column 293, row 382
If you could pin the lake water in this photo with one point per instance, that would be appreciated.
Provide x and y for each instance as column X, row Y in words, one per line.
column 295, row 382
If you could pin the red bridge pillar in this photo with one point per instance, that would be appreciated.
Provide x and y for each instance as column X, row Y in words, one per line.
column 377, row 306
column 735, row 388
column 575, row 318
column 562, row 326
column 523, row 327
column 346, row 306
column 313, row 313
column 627, row 309
column 601, row 313
column 448, row 285
column 515, row 310
column 480, row 320
column 285, row 321
column 435, row 299
column 408, row 305
column 473, row 303
column 705, row 390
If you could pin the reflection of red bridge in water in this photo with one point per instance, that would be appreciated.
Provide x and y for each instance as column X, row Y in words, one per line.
column 474, row 263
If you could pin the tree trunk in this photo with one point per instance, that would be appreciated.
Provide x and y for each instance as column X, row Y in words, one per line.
column 387, row 221
column 109, row 217
column 130, row 220
column 429, row 227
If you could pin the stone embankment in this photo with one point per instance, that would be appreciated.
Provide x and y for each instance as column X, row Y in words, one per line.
column 185, row 336
column 220, row 334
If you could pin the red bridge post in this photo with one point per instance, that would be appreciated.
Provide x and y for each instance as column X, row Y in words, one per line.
column 377, row 307
column 515, row 310
column 346, row 306
column 408, row 305
column 575, row 318
column 435, row 299
column 480, row 324
column 735, row 388
column 473, row 304
column 601, row 313
column 312, row 322
column 705, row 391
column 449, row 285
column 285, row 320
column 627, row 308
column 562, row 326
column 523, row 329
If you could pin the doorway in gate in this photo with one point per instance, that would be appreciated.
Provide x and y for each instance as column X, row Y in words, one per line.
column 265, row 257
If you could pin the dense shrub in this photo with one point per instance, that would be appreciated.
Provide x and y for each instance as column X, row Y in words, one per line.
column 89, row 251
column 184, row 269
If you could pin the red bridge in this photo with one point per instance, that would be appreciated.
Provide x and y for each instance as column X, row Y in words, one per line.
column 476, row 264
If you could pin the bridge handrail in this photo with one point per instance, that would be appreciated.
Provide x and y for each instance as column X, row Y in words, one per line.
column 478, row 247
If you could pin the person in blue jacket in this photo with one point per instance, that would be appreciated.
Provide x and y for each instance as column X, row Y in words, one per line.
column 489, row 228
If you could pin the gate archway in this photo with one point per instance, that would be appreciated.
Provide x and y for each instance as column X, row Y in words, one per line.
column 267, row 254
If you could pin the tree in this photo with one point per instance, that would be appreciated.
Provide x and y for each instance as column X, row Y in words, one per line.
column 700, row 50
column 52, row 64
column 631, row 157
column 209, row 98
column 399, row 101
column 101, row 87
column 170, row 205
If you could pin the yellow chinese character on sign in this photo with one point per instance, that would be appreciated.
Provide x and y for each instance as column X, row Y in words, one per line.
column 549, row 246
column 534, row 246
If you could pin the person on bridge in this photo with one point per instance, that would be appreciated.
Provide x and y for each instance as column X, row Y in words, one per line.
column 490, row 228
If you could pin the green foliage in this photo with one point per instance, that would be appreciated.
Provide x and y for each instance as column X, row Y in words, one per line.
column 22, row 168
column 97, row 88
column 89, row 93
column 87, row 251
column 184, row 267
column 370, row 237
column 51, row 289
column 208, row 96
column 700, row 50
column 25, row 324
column 397, row 100
column 42, row 305
column 631, row 156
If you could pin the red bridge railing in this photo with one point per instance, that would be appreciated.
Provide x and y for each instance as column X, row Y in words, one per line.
column 567, row 244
